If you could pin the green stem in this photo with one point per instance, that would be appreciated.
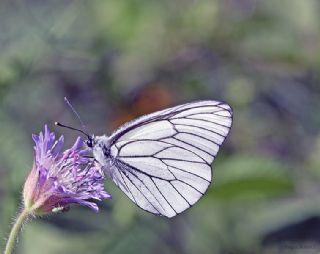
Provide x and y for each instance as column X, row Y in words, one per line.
column 23, row 216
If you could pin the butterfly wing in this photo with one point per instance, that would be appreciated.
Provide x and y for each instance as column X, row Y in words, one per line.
column 162, row 161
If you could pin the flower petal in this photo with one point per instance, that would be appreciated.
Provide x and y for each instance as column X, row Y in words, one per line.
column 58, row 146
column 63, row 178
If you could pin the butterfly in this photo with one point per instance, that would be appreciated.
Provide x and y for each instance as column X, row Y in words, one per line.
column 162, row 161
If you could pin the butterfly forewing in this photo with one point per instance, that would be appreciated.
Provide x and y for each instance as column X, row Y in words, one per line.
column 162, row 161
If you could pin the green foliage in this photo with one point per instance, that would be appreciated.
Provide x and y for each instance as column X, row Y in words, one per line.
column 248, row 177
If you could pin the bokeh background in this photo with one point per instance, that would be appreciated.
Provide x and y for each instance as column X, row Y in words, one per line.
column 118, row 59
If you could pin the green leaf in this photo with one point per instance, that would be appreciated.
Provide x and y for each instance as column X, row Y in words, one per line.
column 250, row 177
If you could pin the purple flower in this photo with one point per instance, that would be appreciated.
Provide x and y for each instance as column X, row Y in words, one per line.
column 59, row 179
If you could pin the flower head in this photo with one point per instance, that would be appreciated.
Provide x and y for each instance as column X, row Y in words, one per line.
column 59, row 179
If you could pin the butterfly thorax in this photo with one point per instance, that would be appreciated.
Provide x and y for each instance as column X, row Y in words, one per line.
column 101, row 148
column 102, row 153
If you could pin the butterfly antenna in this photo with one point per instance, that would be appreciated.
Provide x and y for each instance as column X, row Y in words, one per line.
column 72, row 128
column 76, row 113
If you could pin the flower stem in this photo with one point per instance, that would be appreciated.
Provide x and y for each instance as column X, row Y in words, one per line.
column 23, row 216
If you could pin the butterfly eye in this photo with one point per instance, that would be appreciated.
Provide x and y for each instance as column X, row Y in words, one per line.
column 89, row 142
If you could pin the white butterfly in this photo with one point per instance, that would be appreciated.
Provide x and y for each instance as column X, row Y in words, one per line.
column 162, row 161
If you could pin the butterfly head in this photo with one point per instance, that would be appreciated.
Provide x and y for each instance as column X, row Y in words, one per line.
column 91, row 141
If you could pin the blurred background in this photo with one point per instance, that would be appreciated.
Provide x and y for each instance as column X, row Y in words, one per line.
column 118, row 59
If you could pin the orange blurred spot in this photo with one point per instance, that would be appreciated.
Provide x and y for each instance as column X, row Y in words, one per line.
column 149, row 99
column 152, row 98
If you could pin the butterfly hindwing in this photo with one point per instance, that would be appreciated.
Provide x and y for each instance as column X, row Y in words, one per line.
column 162, row 161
